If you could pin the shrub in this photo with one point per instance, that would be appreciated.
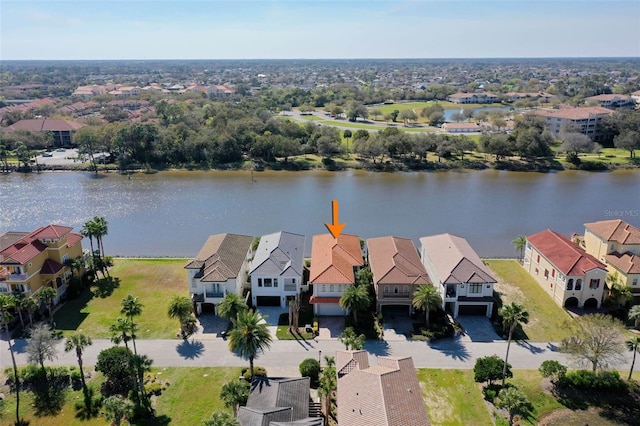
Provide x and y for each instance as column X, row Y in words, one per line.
column 76, row 379
column 310, row 367
column 153, row 388
column 489, row 368
column 257, row 372
column 589, row 381
column 553, row 369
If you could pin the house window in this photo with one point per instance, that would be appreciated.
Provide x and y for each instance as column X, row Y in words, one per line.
column 635, row 282
column 579, row 284
column 259, row 282
column 324, row 288
column 595, row 283
column 65, row 258
column 331, row 288
column 546, row 274
column 275, row 282
column 396, row 290
column 386, row 289
column 293, row 280
column 405, row 290
column 537, row 271
column 570, row 284
column 553, row 273
column 267, row 282
column 538, row 260
column 612, row 247
column 475, row 288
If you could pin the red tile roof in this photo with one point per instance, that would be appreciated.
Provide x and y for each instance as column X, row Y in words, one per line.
column 29, row 246
column 315, row 299
column 583, row 113
column 333, row 260
column 628, row 263
column 45, row 124
column 50, row 232
column 395, row 260
column 50, row 267
column 568, row 257
column 616, row 230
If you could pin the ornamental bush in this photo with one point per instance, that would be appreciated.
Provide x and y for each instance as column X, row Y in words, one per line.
column 310, row 367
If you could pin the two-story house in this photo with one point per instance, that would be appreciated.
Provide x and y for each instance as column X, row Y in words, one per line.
column 334, row 264
column 464, row 281
column 570, row 275
column 31, row 261
column 276, row 273
column 220, row 267
column 616, row 243
column 397, row 271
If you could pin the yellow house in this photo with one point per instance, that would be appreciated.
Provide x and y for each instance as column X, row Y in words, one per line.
column 617, row 244
column 569, row 275
column 37, row 259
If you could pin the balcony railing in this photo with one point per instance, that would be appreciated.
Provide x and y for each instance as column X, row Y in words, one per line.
column 16, row 277
column 214, row 295
column 395, row 296
column 290, row 287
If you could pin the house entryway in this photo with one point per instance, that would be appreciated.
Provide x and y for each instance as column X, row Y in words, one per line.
column 397, row 323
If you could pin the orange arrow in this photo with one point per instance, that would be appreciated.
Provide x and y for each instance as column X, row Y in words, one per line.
column 335, row 228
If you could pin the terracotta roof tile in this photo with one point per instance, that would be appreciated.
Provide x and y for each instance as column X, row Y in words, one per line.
column 395, row 260
column 568, row 257
column 333, row 260
column 583, row 113
column 50, row 267
column 628, row 263
column 616, row 230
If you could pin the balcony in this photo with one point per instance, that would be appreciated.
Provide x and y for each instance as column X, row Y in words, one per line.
column 290, row 287
column 214, row 295
column 15, row 277
column 395, row 296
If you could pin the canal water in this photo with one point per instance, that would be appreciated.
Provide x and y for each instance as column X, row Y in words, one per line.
column 172, row 213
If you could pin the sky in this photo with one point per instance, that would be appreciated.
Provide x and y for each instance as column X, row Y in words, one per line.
column 316, row 29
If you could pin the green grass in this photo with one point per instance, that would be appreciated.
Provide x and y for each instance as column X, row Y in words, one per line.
column 453, row 398
column 311, row 117
column 529, row 382
column 545, row 317
column 385, row 109
column 153, row 281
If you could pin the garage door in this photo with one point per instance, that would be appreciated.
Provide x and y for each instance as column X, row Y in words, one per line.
column 268, row 300
column 472, row 310
column 329, row 309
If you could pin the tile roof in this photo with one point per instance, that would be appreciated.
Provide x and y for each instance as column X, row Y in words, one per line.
column 277, row 399
column 22, row 250
column 314, row 299
column 453, row 260
column 9, row 238
column 50, row 267
column 608, row 97
column 279, row 253
column 395, row 260
column 615, row 230
column 461, row 126
column 51, row 232
column 333, row 260
column 387, row 394
column 221, row 257
column 628, row 263
column 568, row 257
column 45, row 124
column 582, row 113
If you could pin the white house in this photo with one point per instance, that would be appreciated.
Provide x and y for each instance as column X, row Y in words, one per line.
column 276, row 273
column 464, row 282
column 220, row 267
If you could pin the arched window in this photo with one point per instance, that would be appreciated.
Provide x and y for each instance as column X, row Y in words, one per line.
column 331, row 288
column 405, row 290
column 579, row 284
column 570, row 284
column 396, row 290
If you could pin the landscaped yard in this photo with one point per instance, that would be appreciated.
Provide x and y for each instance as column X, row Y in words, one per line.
column 153, row 281
column 545, row 317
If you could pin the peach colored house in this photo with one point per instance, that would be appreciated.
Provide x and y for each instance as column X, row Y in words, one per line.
column 570, row 276
column 387, row 394
column 397, row 271
column 334, row 264
column 37, row 259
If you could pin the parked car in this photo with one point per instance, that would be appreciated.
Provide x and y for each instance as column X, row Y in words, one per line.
column 47, row 154
column 60, row 150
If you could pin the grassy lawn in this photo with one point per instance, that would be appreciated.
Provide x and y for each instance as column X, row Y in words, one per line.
column 529, row 382
column 453, row 398
column 154, row 281
column 311, row 117
column 545, row 317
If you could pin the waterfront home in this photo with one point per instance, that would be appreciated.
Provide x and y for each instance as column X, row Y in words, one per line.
column 461, row 127
column 33, row 260
column 334, row 264
column 616, row 243
column 220, row 267
column 464, row 281
column 280, row 402
column 397, row 271
column 386, row 394
column 277, row 269
column 585, row 120
column 473, row 98
column 61, row 130
column 570, row 276
column 612, row 100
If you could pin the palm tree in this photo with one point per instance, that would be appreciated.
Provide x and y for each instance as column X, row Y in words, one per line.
column 230, row 306
column 634, row 315
column 181, row 307
column 47, row 295
column 426, row 297
column 351, row 340
column 132, row 307
column 5, row 319
column 79, row 342
column 87, row 231
column 354, row 299
column 250, row 336
column 633, row 344
column 512, row 315
column 140, row 365
column 234, row 394
column 17, row 304
column 519, row 244
column 31, row 306
column 122, row 330
column 514, row 401
column 221, row 418
column 101, row 228
column 116, row 409
column 327, row 386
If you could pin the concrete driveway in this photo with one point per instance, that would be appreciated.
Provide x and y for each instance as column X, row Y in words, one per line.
column 397, row 323
column 330, row 327
column 477, row 329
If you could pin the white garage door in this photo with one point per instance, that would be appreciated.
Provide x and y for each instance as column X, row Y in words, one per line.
column 329, row 309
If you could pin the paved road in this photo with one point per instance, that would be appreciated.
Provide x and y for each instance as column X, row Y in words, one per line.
column 286, row 355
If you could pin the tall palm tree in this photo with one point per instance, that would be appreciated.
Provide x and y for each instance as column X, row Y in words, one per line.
column 230, row 306
column 519, row 244
column 426, row 297
column 87, row 231
column 31, row 306
column 235, row 394
column 512, row 315
column 141, row 364
column 633, row 344
column 327, row 386
column 250, row 336
column 5, row 319
column 122, row 330
column 354, row 299
column 101, row 228
column 79, row 342
column 17, row 305
column 634, row 315
column 47, row 295
column 181, row 308
column 132, row 307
